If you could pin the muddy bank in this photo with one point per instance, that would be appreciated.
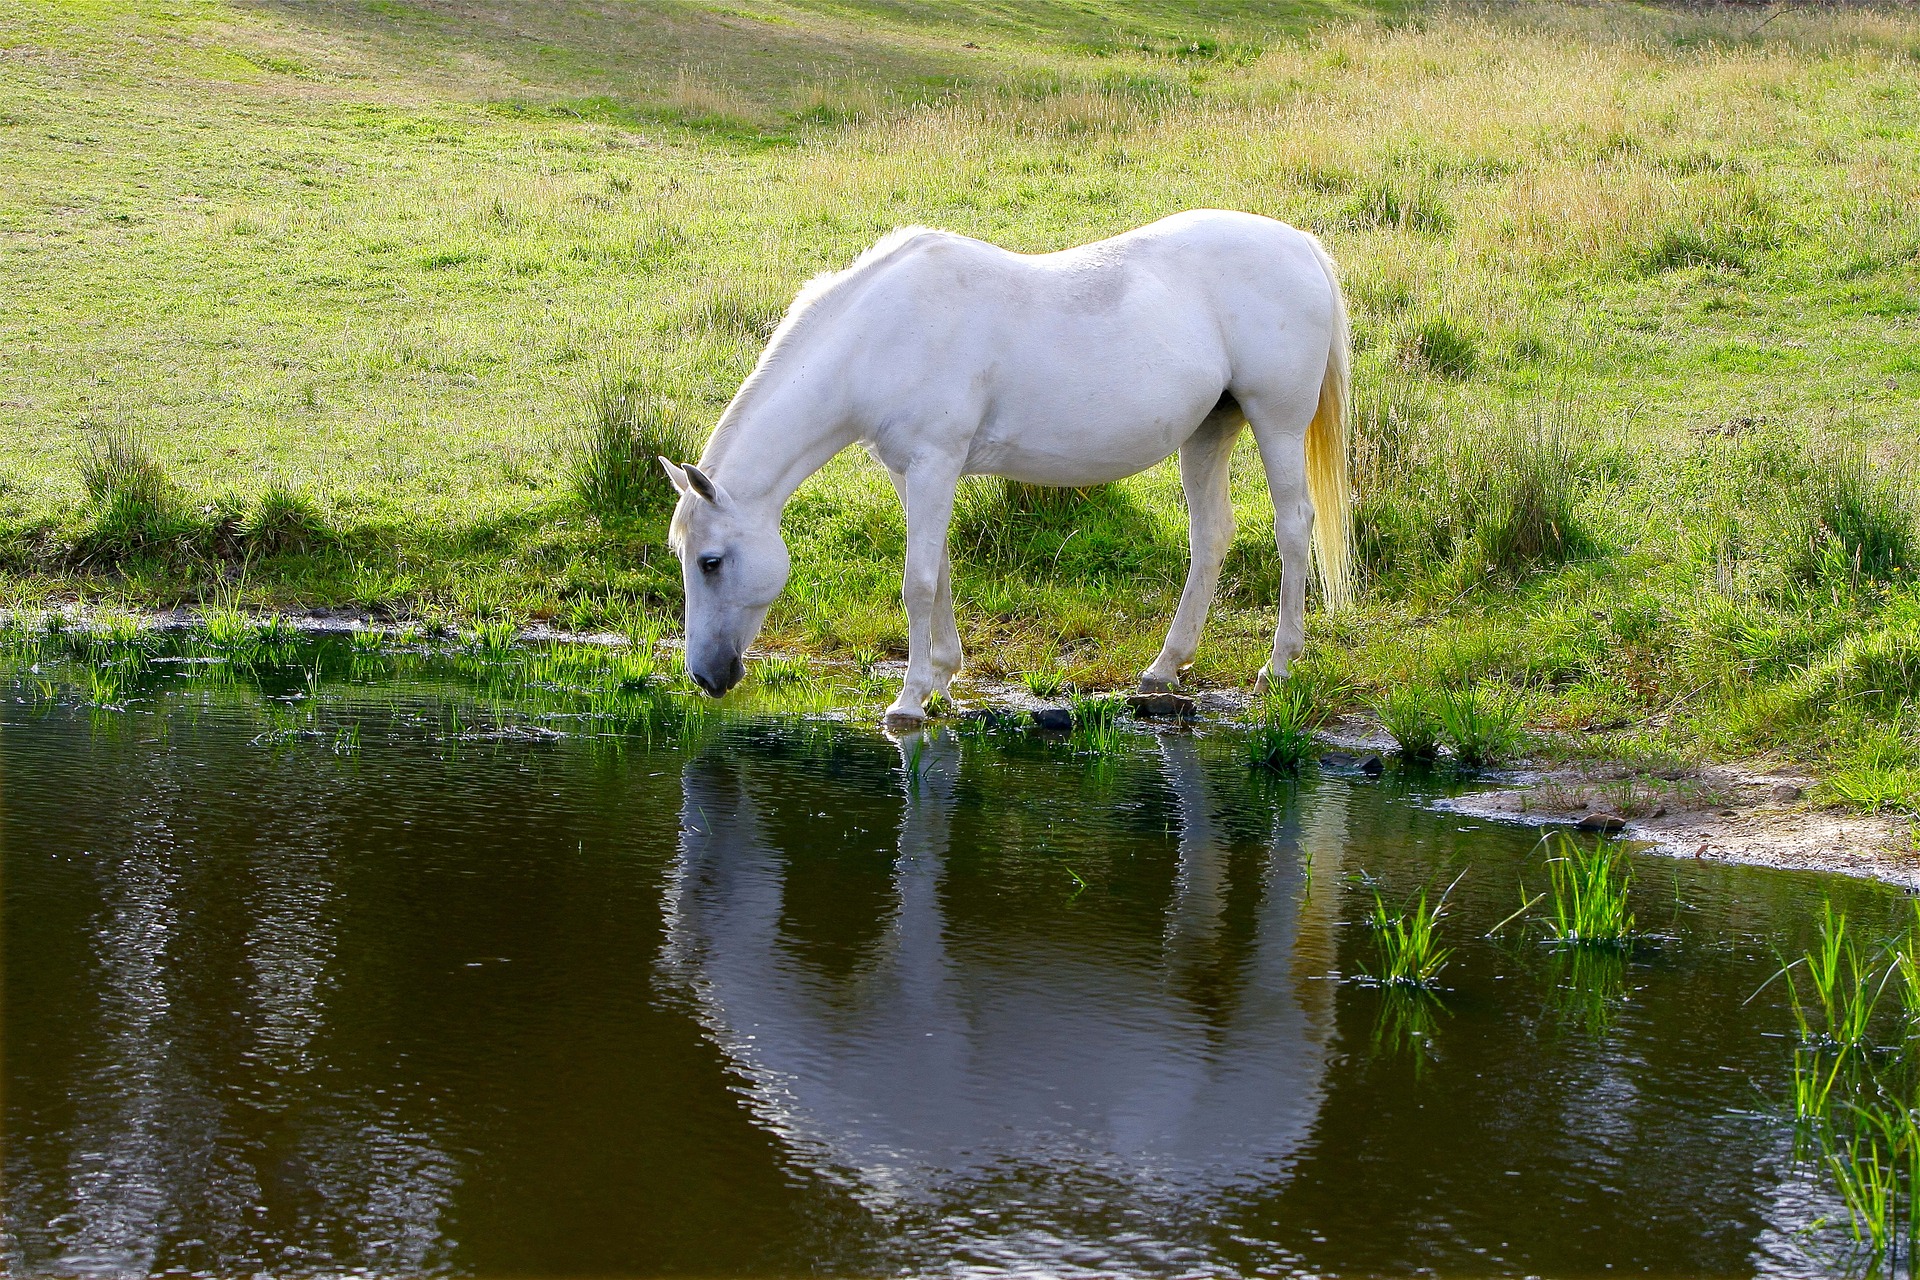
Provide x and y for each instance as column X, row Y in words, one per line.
column 1753, row 814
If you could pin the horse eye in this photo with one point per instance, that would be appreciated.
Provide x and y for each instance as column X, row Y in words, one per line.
column 709, row 564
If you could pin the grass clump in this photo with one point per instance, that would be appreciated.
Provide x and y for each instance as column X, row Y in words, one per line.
column 1589, row 888
column 1481, row 724
column 1282, row 738
column 630, row 426
column 1097, row 724
column 1853, row 523
column 1443, row 347
column 120, row 467
column 285, row 521
column 1474, row 501
column 1046, row 682
column 1854, row 1102
column 1844, row 985
column 1093, row 534
column 1408, row 941
column 1409, row 716
column 137, row 509
column 494, row 639
column 1382, row 204
column 781, row 671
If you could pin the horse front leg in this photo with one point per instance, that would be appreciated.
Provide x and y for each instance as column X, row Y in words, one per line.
column 945, row 650
column 929, row 497
column 1205, row 465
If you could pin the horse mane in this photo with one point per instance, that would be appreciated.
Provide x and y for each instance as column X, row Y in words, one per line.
column 801, row 312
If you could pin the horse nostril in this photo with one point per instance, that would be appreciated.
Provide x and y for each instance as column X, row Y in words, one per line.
column 735, row 670
column 705, row 684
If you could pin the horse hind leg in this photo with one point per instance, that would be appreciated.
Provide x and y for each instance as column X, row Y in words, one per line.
column 1280, row 427
column 1205, row 467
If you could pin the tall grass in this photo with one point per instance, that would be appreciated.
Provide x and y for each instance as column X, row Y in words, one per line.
column 1844, row 981
column 136, row 507
column 119, row 467
column 1408, row 714
column 1490, row 495
column 1409, row 953
column 630, row 425
column 1852, row 522
column 1481, row 724
column 1098, row 725
column 285, row 521
column 1285, row 722
column 1590, row 888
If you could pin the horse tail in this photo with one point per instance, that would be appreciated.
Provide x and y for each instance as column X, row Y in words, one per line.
column 1328, row 445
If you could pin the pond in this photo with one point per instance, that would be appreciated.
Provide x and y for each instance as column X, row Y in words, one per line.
column 322, row 961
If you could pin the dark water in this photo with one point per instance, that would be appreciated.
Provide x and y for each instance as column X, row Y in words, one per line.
column 756, row 1000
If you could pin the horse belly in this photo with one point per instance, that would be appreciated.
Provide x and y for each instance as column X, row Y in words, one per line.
column 1068, row 432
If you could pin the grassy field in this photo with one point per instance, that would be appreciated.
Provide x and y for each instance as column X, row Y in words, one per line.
column 367, row 302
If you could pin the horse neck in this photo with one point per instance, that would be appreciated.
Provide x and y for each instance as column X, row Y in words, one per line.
column 784, row 425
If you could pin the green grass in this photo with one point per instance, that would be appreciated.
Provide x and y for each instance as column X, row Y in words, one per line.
column 1590, row 888
column 1409, row 717
column 1408, row 941
column 389, row 306
column 1481, row 724
column 1845, row 982
column 1284, row 724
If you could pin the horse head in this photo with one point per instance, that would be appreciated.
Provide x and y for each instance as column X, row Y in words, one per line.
column 733, row 565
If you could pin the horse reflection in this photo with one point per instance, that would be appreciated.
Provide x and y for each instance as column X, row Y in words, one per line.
column 955, row 1064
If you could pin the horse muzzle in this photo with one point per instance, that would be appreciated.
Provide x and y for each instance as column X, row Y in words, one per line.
column 715, row 678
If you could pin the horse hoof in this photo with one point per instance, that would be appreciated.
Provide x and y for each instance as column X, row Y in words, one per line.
column 899, row 718
column 1157, row 686
column 1261, row 684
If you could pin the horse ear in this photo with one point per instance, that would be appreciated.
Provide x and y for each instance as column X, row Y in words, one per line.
column 698, row 481
column 675, row 474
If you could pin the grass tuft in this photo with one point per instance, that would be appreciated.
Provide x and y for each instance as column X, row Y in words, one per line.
column 1410, row 954
column 1481, row 724
column 1590, row 894
column 1853, row 522
column 285, row 521
column 1409, row 716
column 1282, row 738
column 1443, row 347
column 119, row 466
column 630, row 426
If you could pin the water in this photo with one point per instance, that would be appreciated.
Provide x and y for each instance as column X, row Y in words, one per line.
column 498, row 989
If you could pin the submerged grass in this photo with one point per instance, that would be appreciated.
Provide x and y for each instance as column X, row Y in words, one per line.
column 1590, row 890
column 1408, row 940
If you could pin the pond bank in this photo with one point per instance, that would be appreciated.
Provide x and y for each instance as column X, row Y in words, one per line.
column 1751, row 812
column 1754, row 813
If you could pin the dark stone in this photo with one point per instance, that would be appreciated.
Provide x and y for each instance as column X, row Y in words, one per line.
column 1786, row 793
column 1339, row 760
column 1053, row 718
column 1373, row 766
column 1161, row 706
column 1604, row 823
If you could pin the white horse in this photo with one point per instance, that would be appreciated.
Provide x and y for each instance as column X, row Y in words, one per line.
column 947, row 357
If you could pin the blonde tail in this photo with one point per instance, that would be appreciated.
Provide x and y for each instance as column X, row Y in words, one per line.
column 1328, row 443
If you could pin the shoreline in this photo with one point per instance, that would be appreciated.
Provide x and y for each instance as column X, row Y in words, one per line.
column 1752, row 813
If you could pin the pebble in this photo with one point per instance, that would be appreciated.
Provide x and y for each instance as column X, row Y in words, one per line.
column 1604, row 823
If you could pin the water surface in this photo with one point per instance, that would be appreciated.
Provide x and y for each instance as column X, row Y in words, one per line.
column 318, row 968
